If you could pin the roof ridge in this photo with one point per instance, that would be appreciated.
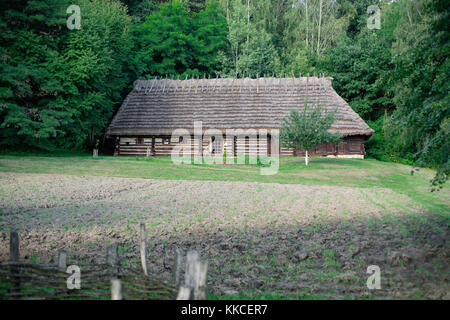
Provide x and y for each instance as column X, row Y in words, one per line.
column 259, row 84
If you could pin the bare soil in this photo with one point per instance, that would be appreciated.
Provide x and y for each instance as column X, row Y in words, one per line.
column 260, row 239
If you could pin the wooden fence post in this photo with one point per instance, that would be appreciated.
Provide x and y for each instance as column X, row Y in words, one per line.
column 143, row 249
column 112, row 259
column 195, row 278
column 177, row 267
column 116, row 289
column 184, row 293
column 62, row 260
column 14, row 256
column 202, row 292
column 192, row 272
column 62, row 267
column 112, row 255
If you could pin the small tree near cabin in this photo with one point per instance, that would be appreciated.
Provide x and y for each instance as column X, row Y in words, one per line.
column 305, row 130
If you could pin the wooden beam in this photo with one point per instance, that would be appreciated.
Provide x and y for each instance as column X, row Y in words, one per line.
column 146, row 87
column 176, row 84
column 215, row 83
column 190, row 84
column 184, row 82
column 164, row 81
column 158, row 82
column 257, row 83
column 196, row 83
column 283, row 78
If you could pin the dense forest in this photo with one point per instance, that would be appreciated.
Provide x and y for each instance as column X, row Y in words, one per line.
column 60, row 86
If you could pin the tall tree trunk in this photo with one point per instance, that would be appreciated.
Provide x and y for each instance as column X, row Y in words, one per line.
column 248, row 34
column 318, row 33
column 306, row 158
column 307, row 21
column 228, row 12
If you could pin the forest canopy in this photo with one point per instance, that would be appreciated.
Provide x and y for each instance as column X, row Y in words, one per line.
column 60, row 87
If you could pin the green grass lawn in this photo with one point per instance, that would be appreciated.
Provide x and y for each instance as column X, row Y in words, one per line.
column 358, row 173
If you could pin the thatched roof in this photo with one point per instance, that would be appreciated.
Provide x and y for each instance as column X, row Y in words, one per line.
column 157, row 107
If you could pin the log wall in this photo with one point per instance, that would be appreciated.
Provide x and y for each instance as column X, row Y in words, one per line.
column 163, row 145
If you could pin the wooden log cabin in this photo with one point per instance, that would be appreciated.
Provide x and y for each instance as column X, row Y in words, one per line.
column 151, row 112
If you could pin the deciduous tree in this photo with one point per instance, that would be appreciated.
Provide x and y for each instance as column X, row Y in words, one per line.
column 306, row 129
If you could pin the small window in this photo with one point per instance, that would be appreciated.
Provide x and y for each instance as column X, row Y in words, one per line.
column 166, row 141
column 140, row 140
column 181, row 140
column 217, row 147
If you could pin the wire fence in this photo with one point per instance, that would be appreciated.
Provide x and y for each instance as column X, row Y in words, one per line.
column 32, row 281
column 106, row 280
